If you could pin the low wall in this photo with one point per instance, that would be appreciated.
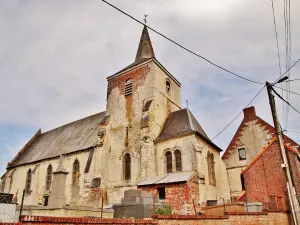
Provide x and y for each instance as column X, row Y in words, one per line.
column 218, row 210
column 274, row 218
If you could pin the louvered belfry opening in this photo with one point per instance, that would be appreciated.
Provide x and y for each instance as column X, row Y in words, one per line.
column 128, row 87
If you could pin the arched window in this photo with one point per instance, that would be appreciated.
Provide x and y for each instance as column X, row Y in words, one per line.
column 168, row 85
column 49, row 178
column 76, row 172
column 178, row 160
column 128, row 87
column 127, row 166
column 169, row 162
column 211, row 169
column 28, row 182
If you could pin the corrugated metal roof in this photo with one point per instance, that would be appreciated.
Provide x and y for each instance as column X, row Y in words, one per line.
column 168, row 178
column 78, row 135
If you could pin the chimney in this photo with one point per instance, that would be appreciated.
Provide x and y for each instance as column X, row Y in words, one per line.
column 249, row 113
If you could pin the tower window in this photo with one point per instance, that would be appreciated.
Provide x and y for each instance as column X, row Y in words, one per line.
column 242, row 153
column 127, row 167
column 168, row 85
column 128, row 87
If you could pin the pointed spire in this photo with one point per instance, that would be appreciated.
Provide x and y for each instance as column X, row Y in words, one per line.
column 145, row 50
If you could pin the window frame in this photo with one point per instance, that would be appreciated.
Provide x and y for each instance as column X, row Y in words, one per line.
column 28, row 182
column 76, row 172
column 127, row 167
column 242, row 158
column 49, row 177
column 178, row 161
column 161, row 193
column 169, row 161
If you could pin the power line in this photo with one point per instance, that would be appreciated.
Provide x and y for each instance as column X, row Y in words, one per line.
column 236, row 116
column 181, row 46
column 286, row 72
column 279, row 96
column 276, row 35
column 287, row 90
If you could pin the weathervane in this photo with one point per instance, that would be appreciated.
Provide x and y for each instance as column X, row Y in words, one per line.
column 145, row 18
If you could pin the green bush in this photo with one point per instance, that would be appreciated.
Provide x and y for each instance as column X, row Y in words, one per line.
column 163, row 210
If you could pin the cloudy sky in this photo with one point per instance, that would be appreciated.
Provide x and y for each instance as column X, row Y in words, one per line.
column 55, row 57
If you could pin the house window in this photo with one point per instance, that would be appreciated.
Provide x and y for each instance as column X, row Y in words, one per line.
column 161, row 193
column 49, row 178
column 96, row 182
column 211, row 202
column 169, row 162
column 178, row 160
column 211, row 169
column 128, row 87
column 168, row 85
column 242, row 153
column 127, row 167
column 28, row 182
column 76, row 172
column 243, row 182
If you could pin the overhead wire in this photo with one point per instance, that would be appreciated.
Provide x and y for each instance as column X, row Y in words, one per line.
column 212, row 63
column 279, row 96
column 181, row 46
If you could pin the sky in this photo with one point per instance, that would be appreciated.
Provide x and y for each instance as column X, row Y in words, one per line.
column 55, row 57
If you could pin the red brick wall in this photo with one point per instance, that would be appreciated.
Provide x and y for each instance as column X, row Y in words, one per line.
column 137, row 75
column 265, row 180
column 177, row 194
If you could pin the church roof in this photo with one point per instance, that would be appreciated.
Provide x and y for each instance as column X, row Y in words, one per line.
column 75, row 136
column 180, row 123
column 145, row 49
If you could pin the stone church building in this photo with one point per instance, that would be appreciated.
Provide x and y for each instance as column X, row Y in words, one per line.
column 143, row 140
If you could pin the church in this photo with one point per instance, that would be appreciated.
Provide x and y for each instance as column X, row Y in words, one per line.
column 144, row 140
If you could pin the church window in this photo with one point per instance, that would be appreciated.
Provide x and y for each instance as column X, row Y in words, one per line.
column 49, row 177
column 11, row 179
column 128, row 87
column 242, row 153
column 161, row 193
column 76, row 173
column 178, row 160
column 3, row 183
column 127, row 166
column 211, row 202
column 28, row 182
column 169, row 162
column 211, row 169
column 168, row 85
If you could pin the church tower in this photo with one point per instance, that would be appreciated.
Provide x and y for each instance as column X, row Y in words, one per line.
column 139, row 99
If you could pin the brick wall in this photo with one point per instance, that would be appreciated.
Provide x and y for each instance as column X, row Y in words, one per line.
column 265, row 179
column 278, row 218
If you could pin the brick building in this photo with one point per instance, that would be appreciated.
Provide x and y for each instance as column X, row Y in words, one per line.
column 264, row 179
column 144, row 133
column 250, row 138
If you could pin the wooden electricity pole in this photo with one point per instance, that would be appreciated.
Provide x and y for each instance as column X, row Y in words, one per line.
column 285, row 164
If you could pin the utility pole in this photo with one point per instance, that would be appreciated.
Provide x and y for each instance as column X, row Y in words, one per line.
column 285, row 164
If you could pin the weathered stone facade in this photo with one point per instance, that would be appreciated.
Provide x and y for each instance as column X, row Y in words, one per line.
column 121, row 146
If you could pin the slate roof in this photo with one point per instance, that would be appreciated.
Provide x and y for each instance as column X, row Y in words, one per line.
column 180, row 123
column 168, row 178
column 78, row 135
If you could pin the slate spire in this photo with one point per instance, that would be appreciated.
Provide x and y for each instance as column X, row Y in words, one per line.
column 145, row 50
